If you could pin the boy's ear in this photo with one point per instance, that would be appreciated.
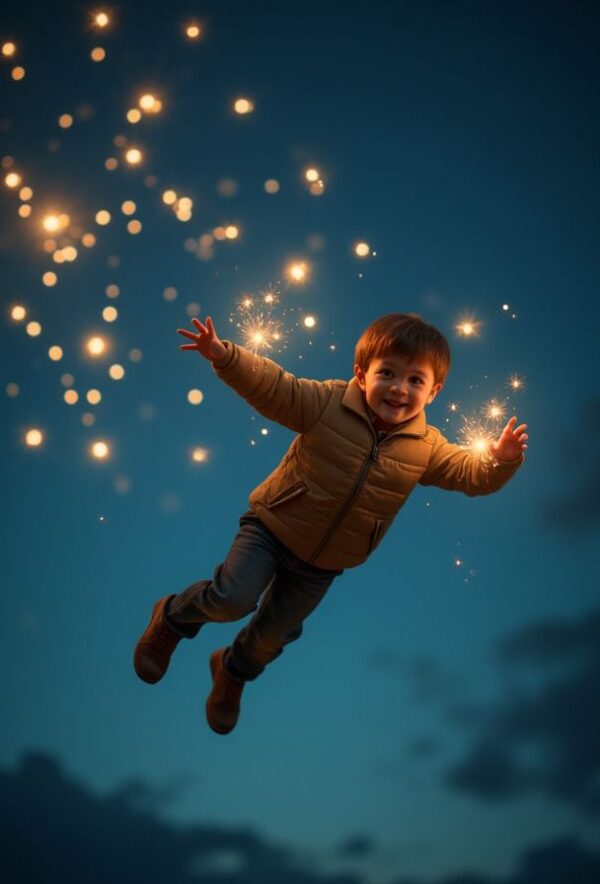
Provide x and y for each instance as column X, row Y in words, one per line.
column 434, row 391
column 359, row 373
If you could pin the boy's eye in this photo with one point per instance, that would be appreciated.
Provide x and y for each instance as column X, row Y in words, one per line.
column 419, row 380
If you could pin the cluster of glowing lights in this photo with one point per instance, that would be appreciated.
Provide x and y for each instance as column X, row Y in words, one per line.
column 316, row 185
column 477, row 436
column 147, row 104
column 297, row 271
column 260, row 332
column 182, row 206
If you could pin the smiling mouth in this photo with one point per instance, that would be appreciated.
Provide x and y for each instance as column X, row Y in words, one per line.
column 393, row 404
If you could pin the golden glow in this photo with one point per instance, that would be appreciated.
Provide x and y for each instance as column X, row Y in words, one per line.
column 516, row 382
column 109, row 314
column 58, row 256
column 312, row 175
column 100, row 450
column 170, row 293
column 65, row 121
column 134, row 226
column 193, row 31
column 195, row 397
column 243, row 106
column 477, row 436
column 231, row 232
column 169, row 197
column 93, row 396
column 102, row 217
column 33, row 329
column 24, row 211
column 70, row 253
column 495, row 410
column 271, row 185
column 185, row 203
column 452, row 406
column 98, row 54
column 362, row 249
column 317, row 187
column 199, row 455
column 119, row 141
column 25, row 193
column 219, row 233
column 310, row 321
column 9, row 49
column 111, row 164
column 49, row 278
column 134, row 156
column 17, row 73
column 259, row 332
column 297, row 271
column 71, row 397
column 147, row 101
column 467, row 327
column 88, row 240
column 112, row 291
column 18, row 312
column 12, row 179
column 101, row 19
column 117, row 372
column 128, row 207
column 55, row 353
column 96, row 346
column 134, row 115
column 33, row 438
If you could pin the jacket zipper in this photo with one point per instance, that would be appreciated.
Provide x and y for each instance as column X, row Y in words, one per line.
column 350, row 499
column 356, row 488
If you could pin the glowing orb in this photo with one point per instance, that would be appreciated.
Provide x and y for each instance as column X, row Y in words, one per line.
column 34, row 437
column 134, row 156
column 195, row 397
column 99, row 450
column 243, row 106
column 96, row 346
column 312, row 175
column 362, row 249
column 297, row 271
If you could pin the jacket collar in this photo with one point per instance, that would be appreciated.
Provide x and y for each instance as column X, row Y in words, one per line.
column 353, row 399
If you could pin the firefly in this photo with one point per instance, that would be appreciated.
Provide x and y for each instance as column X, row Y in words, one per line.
column 297, row 271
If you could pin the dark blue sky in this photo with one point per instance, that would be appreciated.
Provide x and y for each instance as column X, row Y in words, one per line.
column 435, row 719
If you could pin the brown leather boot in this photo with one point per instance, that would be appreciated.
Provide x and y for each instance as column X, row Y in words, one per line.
column 154, row 649
column 223, row 703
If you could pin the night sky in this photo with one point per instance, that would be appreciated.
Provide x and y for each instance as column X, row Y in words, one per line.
column 438, row 722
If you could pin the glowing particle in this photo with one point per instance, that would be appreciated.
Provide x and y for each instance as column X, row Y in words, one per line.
column 18, row 73
column 34, row 437
column 9, row 49
column 18, row 312
column 134, row 115
column 467, row 327
column 199, row 455
column 271, row 185
column 495, row 410
column 195, row 397
column 12, row 179
column 297, row 271
column 33, row 329
column 111, row 164
column 25, row 193
column 49, row 278
column 101, row 19
column 109, row 314
column 312, row 175
column 55, row 353
column 170, row 293
column 98, row 54
column 71, row 397
column 24, row 211
column 227, row 187
column 453, row 406
column 116, row 372
column 65, row 121
column 147, row 102
column 134, row 156
column 96, row 346
column 185, row 203
column 12, row 390
column 264, row 432
column 134, row 226
column 100, row 450
column 362, row 249
column 231, row 232
column 102, row 217
column 67, row 380
column 458, row 562
column 193, row 31
column 70, row 253
column 59, row 257
column 128, row 207
column 93, row 396
column 169, row 197
column 516, row 382
column 506, row 307
column 317, row 187
column 88, row 240
column 243, row 106
column 219, row 233
column 112, row 291
column 309, row 321
column 135, row 355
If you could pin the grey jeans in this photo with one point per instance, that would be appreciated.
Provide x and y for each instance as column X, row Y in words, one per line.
column 257, row 563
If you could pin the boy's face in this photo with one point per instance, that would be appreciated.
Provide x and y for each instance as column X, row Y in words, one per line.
column 397, row 389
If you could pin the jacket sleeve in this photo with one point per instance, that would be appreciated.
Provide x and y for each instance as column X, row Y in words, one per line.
column 456, row 469
column 277, row 394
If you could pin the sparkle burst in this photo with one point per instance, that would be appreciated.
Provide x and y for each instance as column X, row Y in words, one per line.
column 260, row 332
column 477, row 436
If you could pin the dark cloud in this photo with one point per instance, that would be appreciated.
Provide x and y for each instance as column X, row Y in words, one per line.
column 563, row 861
column 427, row 680
column 54, row 829
column 544, row 735
column 578, row 511
column 357, row 846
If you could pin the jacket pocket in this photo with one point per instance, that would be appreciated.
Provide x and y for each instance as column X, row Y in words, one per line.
column 287, row 494
column 381, row 526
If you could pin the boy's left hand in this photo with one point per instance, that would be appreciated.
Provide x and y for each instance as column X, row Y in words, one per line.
column 510, row 445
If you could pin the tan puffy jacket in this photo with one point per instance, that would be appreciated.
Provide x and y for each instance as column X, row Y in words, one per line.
column 339, row 486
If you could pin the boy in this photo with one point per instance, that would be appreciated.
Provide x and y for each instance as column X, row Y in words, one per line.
column 362, row 447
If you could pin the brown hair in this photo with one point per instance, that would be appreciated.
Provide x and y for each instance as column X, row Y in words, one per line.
column 404, row 334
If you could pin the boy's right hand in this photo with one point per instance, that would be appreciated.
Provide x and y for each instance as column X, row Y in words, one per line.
column 206, row 342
